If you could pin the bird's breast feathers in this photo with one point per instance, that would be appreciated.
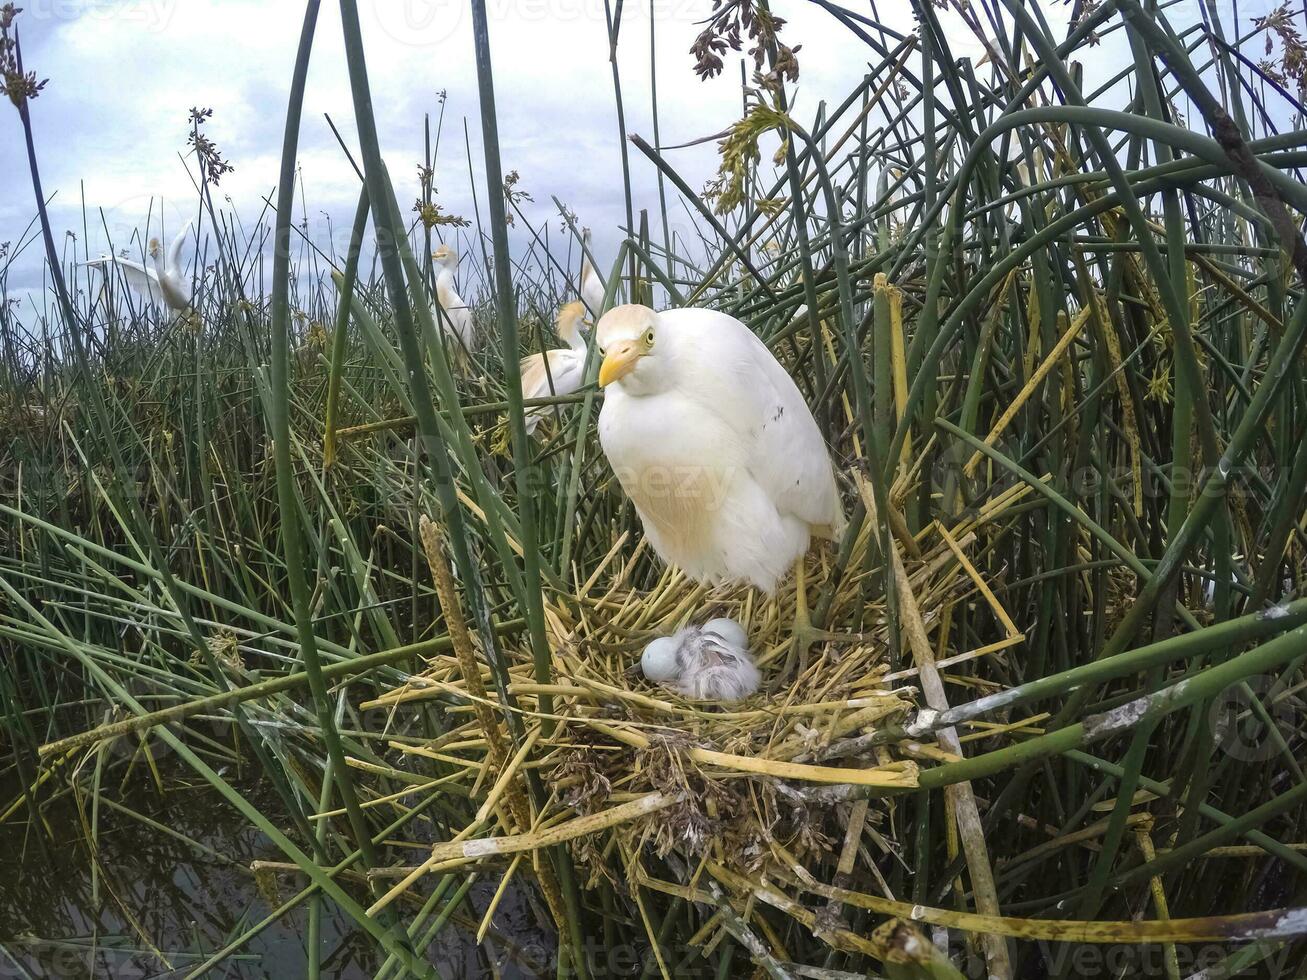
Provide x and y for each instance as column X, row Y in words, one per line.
column 674, row 461
column 726, row 467
column 175, row 292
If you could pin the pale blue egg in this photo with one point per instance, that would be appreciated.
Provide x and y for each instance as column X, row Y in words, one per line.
column 660, row 660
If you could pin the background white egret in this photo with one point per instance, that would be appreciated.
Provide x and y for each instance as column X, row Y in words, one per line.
column 715, row 446
column 592, row 285
column 166, row 281
column 451, row 314
column 559, row 371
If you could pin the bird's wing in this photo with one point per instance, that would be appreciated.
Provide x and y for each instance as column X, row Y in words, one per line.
column 534, row 380
column 464, row 326
column 791, row 460
column 562, row 378
column 737, row 377
column 174, row 262
column 140, row 278
column 566, row 368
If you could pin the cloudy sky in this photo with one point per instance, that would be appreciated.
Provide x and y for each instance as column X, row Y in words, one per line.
column 123, row 74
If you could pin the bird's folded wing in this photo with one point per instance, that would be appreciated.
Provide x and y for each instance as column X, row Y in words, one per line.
column 790, row 458
column 534, row 378
column 742, row 382
column 562, row 378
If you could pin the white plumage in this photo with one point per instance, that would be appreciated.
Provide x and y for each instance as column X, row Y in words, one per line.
column 708, row 663
column 714, row 444
column 592, row 286
column 451, row 314
column 565, row 365
column 166, row 281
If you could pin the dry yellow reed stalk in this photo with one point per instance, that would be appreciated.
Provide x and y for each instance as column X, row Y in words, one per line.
column 471, row 850
column 895, row 775
column 1126, row 400
column 899, row 361
column 961, row 798
column 506, row 776
column 1241, row 926
column 504, row 879
column 603, row 564
column 497, row 754
column 1031, row 386
column 836, row 938
column 390, row 797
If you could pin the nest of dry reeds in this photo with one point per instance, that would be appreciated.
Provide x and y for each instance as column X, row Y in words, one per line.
column 643, row 783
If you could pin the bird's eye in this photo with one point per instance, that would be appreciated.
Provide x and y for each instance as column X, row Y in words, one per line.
column 603, row 352
column 648, row 338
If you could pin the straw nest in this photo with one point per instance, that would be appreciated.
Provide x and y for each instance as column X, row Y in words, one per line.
column 647, row 788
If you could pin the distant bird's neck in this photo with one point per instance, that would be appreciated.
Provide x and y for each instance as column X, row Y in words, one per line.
column 445, row 291
column 576, row 340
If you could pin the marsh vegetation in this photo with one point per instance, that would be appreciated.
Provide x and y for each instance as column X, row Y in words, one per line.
column 290, row 555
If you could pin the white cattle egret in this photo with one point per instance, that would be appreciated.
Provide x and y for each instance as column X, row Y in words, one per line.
column 711, row 662
column 559, row 371
column 451, row 314
column 165, row 281
column 714, row 444
column 592, row 286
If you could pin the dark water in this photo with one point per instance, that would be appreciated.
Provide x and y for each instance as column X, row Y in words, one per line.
column 154, row 888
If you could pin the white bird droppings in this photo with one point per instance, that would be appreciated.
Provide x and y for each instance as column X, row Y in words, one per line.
column 924, row 722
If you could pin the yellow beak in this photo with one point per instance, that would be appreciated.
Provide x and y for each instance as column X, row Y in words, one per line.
column 619, row 362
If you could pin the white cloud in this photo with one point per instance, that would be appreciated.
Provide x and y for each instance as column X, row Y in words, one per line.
column 112, row 122
column 123, row 74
